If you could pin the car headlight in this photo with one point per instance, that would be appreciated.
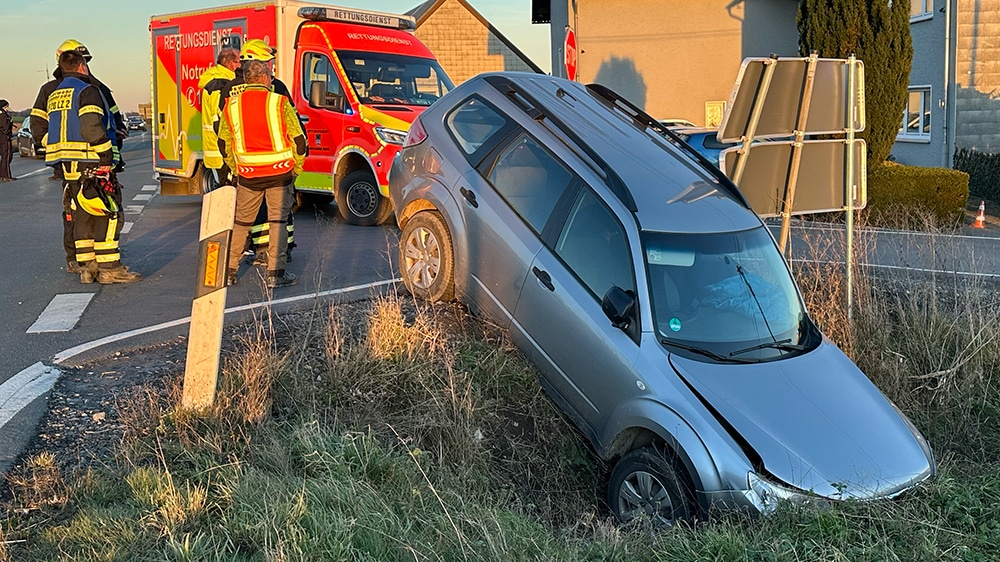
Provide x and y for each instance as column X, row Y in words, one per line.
column 766, row 495
column 390, row 136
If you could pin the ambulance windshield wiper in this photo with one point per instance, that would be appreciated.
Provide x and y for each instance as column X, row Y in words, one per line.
column 784, row 345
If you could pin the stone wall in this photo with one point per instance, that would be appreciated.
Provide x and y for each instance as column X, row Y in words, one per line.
column 977, row 74
column 464, row 45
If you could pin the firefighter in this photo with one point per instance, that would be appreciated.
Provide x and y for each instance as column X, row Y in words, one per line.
column 76, row 140
column 211, row 82
column 260, row 137
column 113, row 125
column 257, row 244
column 115, row 118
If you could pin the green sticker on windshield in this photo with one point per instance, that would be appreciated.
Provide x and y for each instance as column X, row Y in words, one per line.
column 675, row 324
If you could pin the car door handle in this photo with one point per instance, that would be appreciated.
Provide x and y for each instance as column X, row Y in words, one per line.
column 543, row 276
column 470, row 196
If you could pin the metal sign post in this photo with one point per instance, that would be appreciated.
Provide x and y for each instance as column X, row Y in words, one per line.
column 850, row 186
column 201, row 370
column 793, row 167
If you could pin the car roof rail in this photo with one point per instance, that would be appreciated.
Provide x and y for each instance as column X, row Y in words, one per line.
column 533, row 109
column 641, row 118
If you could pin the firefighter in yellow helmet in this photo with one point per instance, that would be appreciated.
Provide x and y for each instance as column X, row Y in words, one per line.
column 256, row 246
column 113, row 123
column 261, row 138
column 73, row 130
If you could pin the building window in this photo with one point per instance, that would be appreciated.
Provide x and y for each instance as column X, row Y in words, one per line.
column 917, row 115
column 921, row 10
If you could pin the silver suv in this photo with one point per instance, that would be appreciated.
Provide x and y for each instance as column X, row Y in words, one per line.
column 653, row 301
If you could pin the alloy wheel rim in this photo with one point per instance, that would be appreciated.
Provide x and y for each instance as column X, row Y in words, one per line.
column 422, row 258
column 643, row 495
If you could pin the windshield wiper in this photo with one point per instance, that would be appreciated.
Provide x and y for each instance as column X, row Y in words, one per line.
column 703, row 351
column 784, row 345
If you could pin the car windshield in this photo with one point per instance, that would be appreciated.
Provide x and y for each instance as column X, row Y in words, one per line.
column 730, row 294
column 388, row 79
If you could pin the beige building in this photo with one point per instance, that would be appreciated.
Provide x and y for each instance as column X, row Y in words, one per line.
column 464, row 42
column 678, row 58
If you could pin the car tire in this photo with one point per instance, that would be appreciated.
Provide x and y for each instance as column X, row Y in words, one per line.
column 649, row 484
column 359, row 200
column 426, row 257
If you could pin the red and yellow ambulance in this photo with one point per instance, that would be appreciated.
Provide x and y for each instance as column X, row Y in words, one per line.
column 357, row 78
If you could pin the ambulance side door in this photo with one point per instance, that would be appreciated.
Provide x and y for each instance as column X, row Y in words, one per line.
column 324, row 108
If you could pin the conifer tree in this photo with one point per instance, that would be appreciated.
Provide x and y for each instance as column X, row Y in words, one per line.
column 877, row 32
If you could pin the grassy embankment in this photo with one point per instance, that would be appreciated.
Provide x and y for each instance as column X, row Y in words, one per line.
column 402, row 431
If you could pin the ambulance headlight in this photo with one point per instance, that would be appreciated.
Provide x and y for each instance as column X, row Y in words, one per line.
column 390, row 136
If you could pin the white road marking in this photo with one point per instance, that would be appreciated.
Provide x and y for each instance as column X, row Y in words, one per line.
column 142, row 197
column 21, row 389
column 127, row 227
column 62, row 313
column 38, row 171
column 68, row 354
column 149, row 188
column 134, row 209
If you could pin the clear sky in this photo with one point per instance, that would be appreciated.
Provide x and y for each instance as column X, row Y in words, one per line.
column 117, row 34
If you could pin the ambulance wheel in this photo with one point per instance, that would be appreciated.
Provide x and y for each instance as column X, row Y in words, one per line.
column 204, row 178
column 359, row 200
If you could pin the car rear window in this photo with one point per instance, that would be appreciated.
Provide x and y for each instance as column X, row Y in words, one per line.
column 474, row 123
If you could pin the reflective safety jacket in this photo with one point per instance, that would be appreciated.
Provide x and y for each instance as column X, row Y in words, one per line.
column 261, row 135
column 211, row 82
column 76, row 125
column 39, row 112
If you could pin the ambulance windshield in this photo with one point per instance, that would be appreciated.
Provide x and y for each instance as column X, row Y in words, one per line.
column 391, row 79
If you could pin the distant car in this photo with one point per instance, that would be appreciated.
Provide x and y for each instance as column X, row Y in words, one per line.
column 704, row 141
column 26, row 145
column 136, row 123
column 656, row 305
column 676, row 123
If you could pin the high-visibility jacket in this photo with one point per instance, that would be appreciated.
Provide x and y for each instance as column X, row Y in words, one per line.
column 261, row 143
column 76, row 113
column 211, row 82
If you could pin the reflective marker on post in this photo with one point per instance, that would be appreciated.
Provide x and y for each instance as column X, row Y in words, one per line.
column 201, row 370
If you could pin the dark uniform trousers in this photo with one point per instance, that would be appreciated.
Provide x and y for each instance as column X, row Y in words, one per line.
column 90, row 237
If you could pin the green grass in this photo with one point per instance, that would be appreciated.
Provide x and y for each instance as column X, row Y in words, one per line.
column 405, row 431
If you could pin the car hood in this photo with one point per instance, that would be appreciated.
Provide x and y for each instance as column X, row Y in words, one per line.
column 816, row 422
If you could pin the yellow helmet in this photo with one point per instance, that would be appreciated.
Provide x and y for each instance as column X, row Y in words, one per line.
column 257, row 49
column 73, row 45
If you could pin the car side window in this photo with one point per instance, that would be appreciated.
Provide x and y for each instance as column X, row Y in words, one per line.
column 475, row 126
column 530, row 179
column 594, row 246
column 320, row 82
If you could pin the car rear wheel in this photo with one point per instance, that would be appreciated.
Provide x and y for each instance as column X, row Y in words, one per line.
column 426, row 258
column 649, row 485
column 359, row 200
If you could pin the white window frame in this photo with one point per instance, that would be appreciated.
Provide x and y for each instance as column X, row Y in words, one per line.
column 926, row 7
column 904, row 133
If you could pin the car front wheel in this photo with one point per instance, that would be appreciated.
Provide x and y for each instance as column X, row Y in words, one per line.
column 359, row 200
column 426, row 258
column 649, row 485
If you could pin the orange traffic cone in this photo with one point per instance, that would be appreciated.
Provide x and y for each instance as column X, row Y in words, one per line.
column 980, row 221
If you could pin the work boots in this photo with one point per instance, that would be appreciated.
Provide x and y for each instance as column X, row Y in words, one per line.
column 283, row 280
column 88, row 272
column 120, row 274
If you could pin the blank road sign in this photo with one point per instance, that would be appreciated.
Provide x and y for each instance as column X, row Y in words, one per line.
column 828, row 113
column 820, row 186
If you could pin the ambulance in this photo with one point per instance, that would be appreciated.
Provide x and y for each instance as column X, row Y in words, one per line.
column 358, row 79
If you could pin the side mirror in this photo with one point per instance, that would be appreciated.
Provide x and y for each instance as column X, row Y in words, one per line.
column 618, row 305
column 317, row 93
